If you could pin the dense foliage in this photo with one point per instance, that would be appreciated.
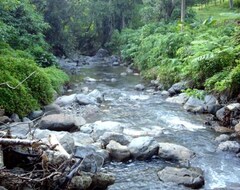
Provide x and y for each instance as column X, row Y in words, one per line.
column 23, row 50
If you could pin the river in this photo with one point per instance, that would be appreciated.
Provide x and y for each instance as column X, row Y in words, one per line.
column 147, row 113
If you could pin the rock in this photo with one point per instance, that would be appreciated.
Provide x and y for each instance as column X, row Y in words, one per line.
column 220, row 129
column 170, row 151
column 155, row 82
column 4, row 119
column 88, row 79
column 139, row 87
column 237, row 128
column 118, row 137
column 177, row 88
column 67, row 141
column 231, row 146
column 84, row 99
column 189, row 177
column 85, row 90
column 97, row 95
column 86, row 129
column 118, row 152
column 180, row 99
column 143, row 148
column 104, row 154
column 100, row 127
column 61, row 122
column 55, row 158
column 129, row 70
column 92, row 161
column 52, row 109
column 82, row 138
column 65, row 100
column 116, row 63
column 101, row 53
column 194, row 105
column 222, row 138
column 212, row 109
column 102, row 181
column 15, row 118
column 90, row 110
column 165, row 93
column 35, row 114
column 20, row 129
column 211, row 104
column 26, row 120
column 2, row 112
column 80, row 182
column 233, row 107
column 123, row 74
column 220, row 114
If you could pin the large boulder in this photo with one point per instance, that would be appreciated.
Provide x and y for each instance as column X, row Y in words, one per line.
column 143, row 148
column 220, row 114
column 52, row 109
column 177, row 88
column 118, row 152
column 189, row 177
column 61, row 122
column 231, row 146
column 97, row 95
column 211, row 104
column 139, row 87
column 65, row 100
column 19, row 129
column 100, row 127
column 118, row 137
column 180, row 99
column 194, row 105
column 84, row 99
column 101, row 53
column 170, row 151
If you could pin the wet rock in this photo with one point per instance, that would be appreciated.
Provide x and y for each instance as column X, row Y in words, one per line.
column 20, row 129
column 88, row 79
column 15, row 118
column 220, row 129
column 100, row 127
column 170, row 151
column 165, row 93
column 222, row 138
column 118, row 137
column 104, row 154
column 101, row 53
column 220, row 114
column 143, row 148
column 116, row 63
column 84, row 99
column 97, row 95
column 4, row 119
column 237, row 128
column 80, row 182
column 139, row 87
column 118, row 152
column 180, row 99
column 65, row 100
column 52, row 109
column 102, row 181
column 230, row 146
column 35, row 114
column 194, row 105
column 177, row 88
column 82, row 138
column 123, row 74
column 189, row 177
column 61, row 122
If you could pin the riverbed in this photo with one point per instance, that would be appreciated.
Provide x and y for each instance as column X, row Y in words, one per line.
column 146, row 113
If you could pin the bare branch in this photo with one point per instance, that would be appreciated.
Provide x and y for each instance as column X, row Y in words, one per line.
column 9, row 86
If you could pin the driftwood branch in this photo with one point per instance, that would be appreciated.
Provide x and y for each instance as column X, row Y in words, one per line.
column 14, row 87
column 24, row 142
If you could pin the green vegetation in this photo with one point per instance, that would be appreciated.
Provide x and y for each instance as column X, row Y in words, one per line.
column 203, row 52
column 24, row 85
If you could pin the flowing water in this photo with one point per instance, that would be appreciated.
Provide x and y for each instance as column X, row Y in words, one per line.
column 146, row 113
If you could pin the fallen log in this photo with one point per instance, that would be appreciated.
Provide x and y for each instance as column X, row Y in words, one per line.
column 23, row 142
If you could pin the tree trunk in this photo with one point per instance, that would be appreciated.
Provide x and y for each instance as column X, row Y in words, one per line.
column 183, row 11
column 231, row 4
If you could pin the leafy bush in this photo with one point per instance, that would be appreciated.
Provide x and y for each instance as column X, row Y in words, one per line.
column 56, row 76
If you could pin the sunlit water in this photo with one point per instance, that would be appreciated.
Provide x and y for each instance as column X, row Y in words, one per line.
column 148, row 114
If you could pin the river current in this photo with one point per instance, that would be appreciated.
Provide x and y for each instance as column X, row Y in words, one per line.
column 147, row 113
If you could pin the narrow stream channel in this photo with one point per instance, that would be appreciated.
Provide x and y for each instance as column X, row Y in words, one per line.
column 146, row 113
